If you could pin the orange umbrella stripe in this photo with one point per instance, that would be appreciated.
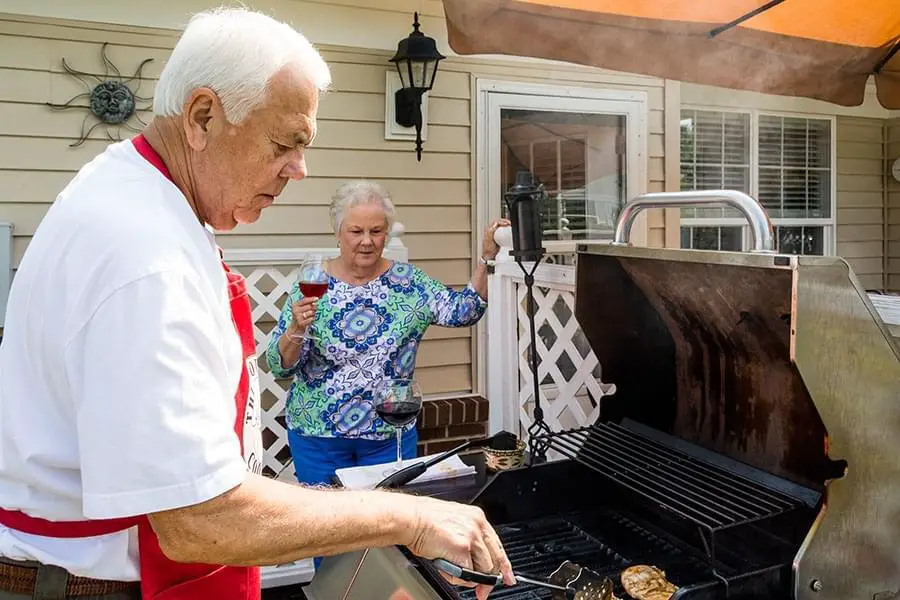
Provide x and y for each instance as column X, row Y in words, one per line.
column 847, row 22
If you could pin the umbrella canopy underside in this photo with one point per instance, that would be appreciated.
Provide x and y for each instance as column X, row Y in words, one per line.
column 823, row 49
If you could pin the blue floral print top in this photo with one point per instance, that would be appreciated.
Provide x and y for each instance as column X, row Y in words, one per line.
column 365, row 334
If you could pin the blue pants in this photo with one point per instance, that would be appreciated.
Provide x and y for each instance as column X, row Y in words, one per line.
column 316, row 458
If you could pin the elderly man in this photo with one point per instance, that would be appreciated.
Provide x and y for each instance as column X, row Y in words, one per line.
column 128, row 400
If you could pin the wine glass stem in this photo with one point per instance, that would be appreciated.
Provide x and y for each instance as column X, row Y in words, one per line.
column 399, row 450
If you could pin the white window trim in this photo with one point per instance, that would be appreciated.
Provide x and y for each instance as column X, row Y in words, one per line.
column 829, row 244
column 634, row 105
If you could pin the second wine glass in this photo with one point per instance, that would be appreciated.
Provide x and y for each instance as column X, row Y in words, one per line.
column 397, row 402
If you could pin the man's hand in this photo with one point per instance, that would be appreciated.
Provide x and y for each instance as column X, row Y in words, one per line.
column 461, row 534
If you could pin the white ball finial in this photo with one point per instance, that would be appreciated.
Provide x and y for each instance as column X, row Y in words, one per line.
column 504, row 237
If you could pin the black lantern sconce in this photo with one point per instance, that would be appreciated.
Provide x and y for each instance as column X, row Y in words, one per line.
column 523, row 204
column 417, row 61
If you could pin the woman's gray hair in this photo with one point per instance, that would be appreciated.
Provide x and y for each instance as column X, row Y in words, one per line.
column 355, row 193
column 234, row 52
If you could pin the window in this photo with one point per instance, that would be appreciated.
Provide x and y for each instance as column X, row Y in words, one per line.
column 578, row 157
column 784, row 162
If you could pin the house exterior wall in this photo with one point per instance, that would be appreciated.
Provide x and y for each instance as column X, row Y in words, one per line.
column 435, row 198
column 861, row 197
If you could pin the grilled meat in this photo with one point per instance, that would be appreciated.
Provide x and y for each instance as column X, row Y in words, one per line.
column 588, row 585
column 643, row 582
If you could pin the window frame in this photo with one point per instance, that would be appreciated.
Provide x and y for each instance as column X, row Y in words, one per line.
column 829, row 242
column 490, row 96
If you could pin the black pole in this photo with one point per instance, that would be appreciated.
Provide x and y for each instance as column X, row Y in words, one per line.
column 524, row 215
column 537, row 446
column 532, row 309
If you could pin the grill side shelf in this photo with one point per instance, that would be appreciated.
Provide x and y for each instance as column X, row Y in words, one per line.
column 696, row 490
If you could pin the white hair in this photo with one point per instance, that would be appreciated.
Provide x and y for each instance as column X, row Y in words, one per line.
column 355, row 193
column 234, row 52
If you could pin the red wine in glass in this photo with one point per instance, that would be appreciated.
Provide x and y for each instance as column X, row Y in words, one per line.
column 398, row 414
column 397, row 402
column 313, row 282
column 313, row 289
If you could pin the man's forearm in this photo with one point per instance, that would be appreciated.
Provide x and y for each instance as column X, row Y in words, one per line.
column 265, row 522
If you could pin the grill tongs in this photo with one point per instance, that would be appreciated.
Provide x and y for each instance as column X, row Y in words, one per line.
column 568, row 582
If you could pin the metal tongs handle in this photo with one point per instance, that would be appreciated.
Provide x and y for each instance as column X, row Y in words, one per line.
column 471, row 576
column 465, row 574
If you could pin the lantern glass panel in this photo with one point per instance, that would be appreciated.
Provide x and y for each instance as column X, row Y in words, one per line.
column 419, row 73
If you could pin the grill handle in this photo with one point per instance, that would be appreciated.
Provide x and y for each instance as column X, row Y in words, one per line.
column 760, row 225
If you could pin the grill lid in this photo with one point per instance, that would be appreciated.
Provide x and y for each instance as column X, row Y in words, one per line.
column 779, row 362
column 699, row 345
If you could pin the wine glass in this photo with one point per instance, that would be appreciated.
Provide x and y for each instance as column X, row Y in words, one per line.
column 397, row 402
column 312, row 280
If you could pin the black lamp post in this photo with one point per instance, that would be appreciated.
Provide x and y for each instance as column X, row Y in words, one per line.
column 523, row 202
column 417, row 61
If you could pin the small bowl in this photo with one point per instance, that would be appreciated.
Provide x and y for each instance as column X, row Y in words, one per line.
column 503, row 460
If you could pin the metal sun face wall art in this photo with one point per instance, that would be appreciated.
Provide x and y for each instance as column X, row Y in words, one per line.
column 111, row 101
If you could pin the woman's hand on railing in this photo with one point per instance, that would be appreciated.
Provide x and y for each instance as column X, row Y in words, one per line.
column 490, row 246
column 504, row 239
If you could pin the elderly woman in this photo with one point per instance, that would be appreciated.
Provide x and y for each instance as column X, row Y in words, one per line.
column 366, row 330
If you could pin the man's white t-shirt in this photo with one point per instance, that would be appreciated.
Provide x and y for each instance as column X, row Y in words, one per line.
column 118, row 366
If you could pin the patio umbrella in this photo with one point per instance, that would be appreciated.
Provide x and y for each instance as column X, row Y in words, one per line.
column 824, row 49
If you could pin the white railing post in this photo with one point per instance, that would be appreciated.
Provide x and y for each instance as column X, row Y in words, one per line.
column 395, row 249
column 502, row 342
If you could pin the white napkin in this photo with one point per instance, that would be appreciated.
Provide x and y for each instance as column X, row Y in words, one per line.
column 364, row 478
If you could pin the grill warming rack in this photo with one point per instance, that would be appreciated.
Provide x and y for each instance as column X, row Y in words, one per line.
column 710, row 496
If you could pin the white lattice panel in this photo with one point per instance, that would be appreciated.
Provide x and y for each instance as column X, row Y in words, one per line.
column 568, row 370
column 267, row 309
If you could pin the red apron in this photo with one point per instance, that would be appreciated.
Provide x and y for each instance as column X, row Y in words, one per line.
column 161, row 578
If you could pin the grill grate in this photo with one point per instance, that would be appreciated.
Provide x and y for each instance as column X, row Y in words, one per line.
column 602, row 540
column 702, row 493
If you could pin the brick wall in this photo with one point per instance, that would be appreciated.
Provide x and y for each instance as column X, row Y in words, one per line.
column 445, row 424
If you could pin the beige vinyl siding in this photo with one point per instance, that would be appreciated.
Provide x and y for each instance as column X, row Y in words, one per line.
column 892, row 153
column 36, row 161
column 860, row 197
